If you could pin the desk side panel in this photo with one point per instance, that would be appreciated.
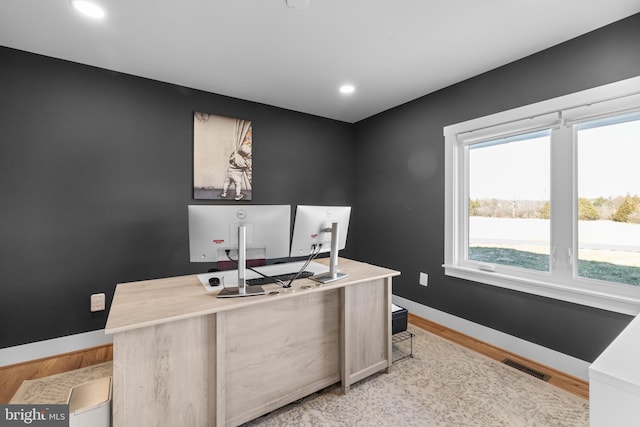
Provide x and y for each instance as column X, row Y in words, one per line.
column 277, row 353
column 367, row 317
column 164, row 375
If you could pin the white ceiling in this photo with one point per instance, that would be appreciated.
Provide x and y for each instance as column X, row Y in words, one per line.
column 393, row 51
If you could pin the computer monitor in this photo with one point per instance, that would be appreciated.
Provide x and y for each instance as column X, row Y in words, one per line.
column 213, row 229
column 321, row 229
column 240, row 232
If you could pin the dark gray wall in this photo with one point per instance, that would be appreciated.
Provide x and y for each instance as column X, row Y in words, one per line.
column 399, row 221
column 96, row 175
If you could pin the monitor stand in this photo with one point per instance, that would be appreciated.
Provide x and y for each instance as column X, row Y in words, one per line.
column 333, row 273
column 235, row 292
column 242, row 290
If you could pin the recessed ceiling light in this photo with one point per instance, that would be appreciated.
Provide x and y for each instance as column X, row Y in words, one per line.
column 89, row 9
column 347, row 89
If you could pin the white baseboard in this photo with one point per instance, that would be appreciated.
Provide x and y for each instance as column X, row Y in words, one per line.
column 52, row 347
column 551, row 358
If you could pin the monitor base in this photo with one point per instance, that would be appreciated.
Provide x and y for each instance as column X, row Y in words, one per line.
column 234, row 292
column 327, row 278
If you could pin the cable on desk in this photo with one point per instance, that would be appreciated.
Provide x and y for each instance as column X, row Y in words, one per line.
column 315, row 251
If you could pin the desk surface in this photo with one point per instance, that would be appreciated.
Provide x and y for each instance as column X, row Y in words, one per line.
column 152, row 302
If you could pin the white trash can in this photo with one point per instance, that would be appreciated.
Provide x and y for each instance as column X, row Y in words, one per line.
column 90, row 404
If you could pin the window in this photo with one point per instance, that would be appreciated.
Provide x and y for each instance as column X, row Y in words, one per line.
column 608, row 156
column 509, row 187
column 545, row 198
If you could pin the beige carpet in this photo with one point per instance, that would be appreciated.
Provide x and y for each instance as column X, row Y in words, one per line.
column 442, row 385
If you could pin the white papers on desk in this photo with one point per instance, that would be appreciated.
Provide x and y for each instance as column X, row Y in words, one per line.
column 230, row 277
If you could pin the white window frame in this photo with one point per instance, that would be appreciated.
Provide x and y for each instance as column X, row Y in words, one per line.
column 559, row 114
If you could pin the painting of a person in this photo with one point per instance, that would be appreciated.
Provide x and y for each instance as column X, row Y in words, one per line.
column 239, row 168
column 222, row 158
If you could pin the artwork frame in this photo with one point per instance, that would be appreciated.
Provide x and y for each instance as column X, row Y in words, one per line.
column 222, row 158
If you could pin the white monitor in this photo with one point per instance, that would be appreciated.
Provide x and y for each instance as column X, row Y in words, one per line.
column 213, row 230
column 320, row 229
column 312, row 225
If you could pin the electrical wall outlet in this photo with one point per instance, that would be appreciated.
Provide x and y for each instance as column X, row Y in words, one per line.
column 424, row 279
column 98, row 302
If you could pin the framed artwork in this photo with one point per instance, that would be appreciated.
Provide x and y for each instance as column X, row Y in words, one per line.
column 222, row 157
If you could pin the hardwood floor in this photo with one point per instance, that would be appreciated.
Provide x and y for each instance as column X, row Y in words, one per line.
column 12, row 376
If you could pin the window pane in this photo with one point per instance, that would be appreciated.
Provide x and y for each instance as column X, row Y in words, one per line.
column 509, row 193
column 609, row 199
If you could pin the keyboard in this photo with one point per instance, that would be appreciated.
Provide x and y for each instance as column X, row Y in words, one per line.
column 281, row 277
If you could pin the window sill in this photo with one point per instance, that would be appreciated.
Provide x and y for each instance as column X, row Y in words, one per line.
column 626, row 304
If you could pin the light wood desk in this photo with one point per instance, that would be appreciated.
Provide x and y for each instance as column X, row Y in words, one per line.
column 184, row 357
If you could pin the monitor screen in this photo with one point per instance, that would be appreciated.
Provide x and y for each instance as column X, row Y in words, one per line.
column 311, row 224
column 213, row 229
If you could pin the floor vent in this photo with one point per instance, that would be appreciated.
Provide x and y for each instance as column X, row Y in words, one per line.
column 526, row 370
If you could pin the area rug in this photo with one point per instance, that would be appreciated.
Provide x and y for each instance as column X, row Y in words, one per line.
column 55, row 388
column 444, row 384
